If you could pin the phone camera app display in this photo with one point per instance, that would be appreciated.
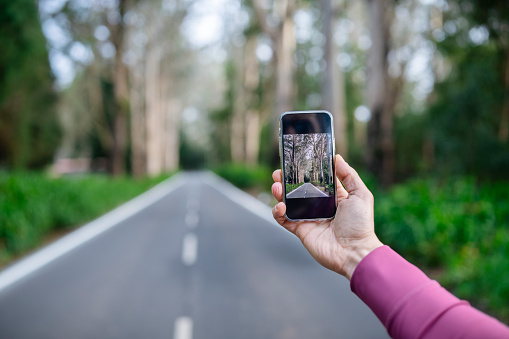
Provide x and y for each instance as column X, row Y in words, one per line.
column 308, row 165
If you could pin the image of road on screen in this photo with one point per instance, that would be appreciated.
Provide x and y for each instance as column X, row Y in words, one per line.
column 308, row 165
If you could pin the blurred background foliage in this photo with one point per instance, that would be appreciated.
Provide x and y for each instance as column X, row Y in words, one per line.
column 455, row 228
column 104, row 97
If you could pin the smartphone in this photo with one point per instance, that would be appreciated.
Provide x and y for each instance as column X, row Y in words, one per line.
column 306, row 140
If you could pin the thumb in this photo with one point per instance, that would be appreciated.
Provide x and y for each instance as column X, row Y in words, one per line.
column 350, row 178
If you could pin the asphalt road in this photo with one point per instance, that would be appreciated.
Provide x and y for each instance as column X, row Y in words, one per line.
column 198, row 263
column 306, row 191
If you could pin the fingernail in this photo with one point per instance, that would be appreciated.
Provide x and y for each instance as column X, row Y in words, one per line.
column 275, row 209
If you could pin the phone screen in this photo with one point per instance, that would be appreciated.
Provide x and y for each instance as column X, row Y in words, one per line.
column 307, row 161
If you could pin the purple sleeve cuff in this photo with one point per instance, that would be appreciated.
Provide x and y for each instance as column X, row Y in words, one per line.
column 408, row 303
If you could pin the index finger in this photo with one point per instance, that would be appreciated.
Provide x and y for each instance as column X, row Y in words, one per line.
column 276, row 175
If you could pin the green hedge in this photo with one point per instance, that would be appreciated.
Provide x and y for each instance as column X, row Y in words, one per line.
column 291, row 187
column 33, row 204
column 455, row 229
column 246, row 177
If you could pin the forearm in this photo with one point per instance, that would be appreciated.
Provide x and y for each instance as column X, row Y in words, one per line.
column 410, row 305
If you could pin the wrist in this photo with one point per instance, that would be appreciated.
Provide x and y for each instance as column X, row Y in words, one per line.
column 357, row 252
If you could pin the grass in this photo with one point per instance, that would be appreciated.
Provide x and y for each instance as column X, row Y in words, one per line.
column 32, row 205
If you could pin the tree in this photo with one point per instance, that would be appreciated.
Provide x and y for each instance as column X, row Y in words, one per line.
column 130, row 91
column 466, row 116
column 155, row 79
column 494, row 16
column 333, row 87
column 282, row 36
column 380, row 152
column 29, row 126
column 245, row 120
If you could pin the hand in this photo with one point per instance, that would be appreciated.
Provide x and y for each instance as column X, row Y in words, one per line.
column 341, row 243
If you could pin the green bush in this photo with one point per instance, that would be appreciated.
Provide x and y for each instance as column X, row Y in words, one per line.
column 291, row 187
column 246, row 177
column 33, row 204
column 330, row 189
column 455, row 227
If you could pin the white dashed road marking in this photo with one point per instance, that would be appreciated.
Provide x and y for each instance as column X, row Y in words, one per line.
column 189, row 249
column 183, row 328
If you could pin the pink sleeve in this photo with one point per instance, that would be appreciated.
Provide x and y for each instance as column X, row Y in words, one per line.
column 410, row 305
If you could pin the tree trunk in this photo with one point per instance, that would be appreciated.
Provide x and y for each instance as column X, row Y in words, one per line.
column 503, row 130
column 333, row 86
column 380, row 155
column 294, row 177
column 171, row 146
column 152, row 112
column 316, row 156
column 284, row 39
column 252, row 115
column 137, row 124
column 121, row 93
column 169, row 126
column 284, row 52
column 322, row 153
column 237, row 135
column 327, row 157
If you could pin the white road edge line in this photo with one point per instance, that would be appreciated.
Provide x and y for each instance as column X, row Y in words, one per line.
column 83, row 234
column 189, row 249
column 183, row 328
column 241, row 198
